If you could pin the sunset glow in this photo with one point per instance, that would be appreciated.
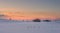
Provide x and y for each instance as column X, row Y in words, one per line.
column 22, row 16
column 23, row 10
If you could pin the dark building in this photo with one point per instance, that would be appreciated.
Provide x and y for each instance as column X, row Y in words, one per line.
column 47, row 20
column 36, row 20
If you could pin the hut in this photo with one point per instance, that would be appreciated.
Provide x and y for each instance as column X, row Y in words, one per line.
column 47, row 20
column 36, row 20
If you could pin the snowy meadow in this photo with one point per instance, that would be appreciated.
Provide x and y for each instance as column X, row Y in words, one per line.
column 29, row 27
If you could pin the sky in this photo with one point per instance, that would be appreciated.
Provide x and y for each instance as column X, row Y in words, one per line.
column 30, row 9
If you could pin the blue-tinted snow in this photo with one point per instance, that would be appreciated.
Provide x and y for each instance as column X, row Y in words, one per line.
column 29, row 27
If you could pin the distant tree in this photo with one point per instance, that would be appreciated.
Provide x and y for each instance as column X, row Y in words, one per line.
column 47, row 20
column 36, row 20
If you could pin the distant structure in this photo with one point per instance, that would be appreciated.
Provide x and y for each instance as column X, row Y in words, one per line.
column 47, row 20
column 36, row 20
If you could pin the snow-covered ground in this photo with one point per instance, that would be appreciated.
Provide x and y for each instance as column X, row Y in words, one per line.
column 29, row 27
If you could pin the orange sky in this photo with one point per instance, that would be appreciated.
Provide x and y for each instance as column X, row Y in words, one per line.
column 30, row 9
column 24, row 16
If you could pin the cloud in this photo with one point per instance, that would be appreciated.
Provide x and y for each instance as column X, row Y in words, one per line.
column 2, row 16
